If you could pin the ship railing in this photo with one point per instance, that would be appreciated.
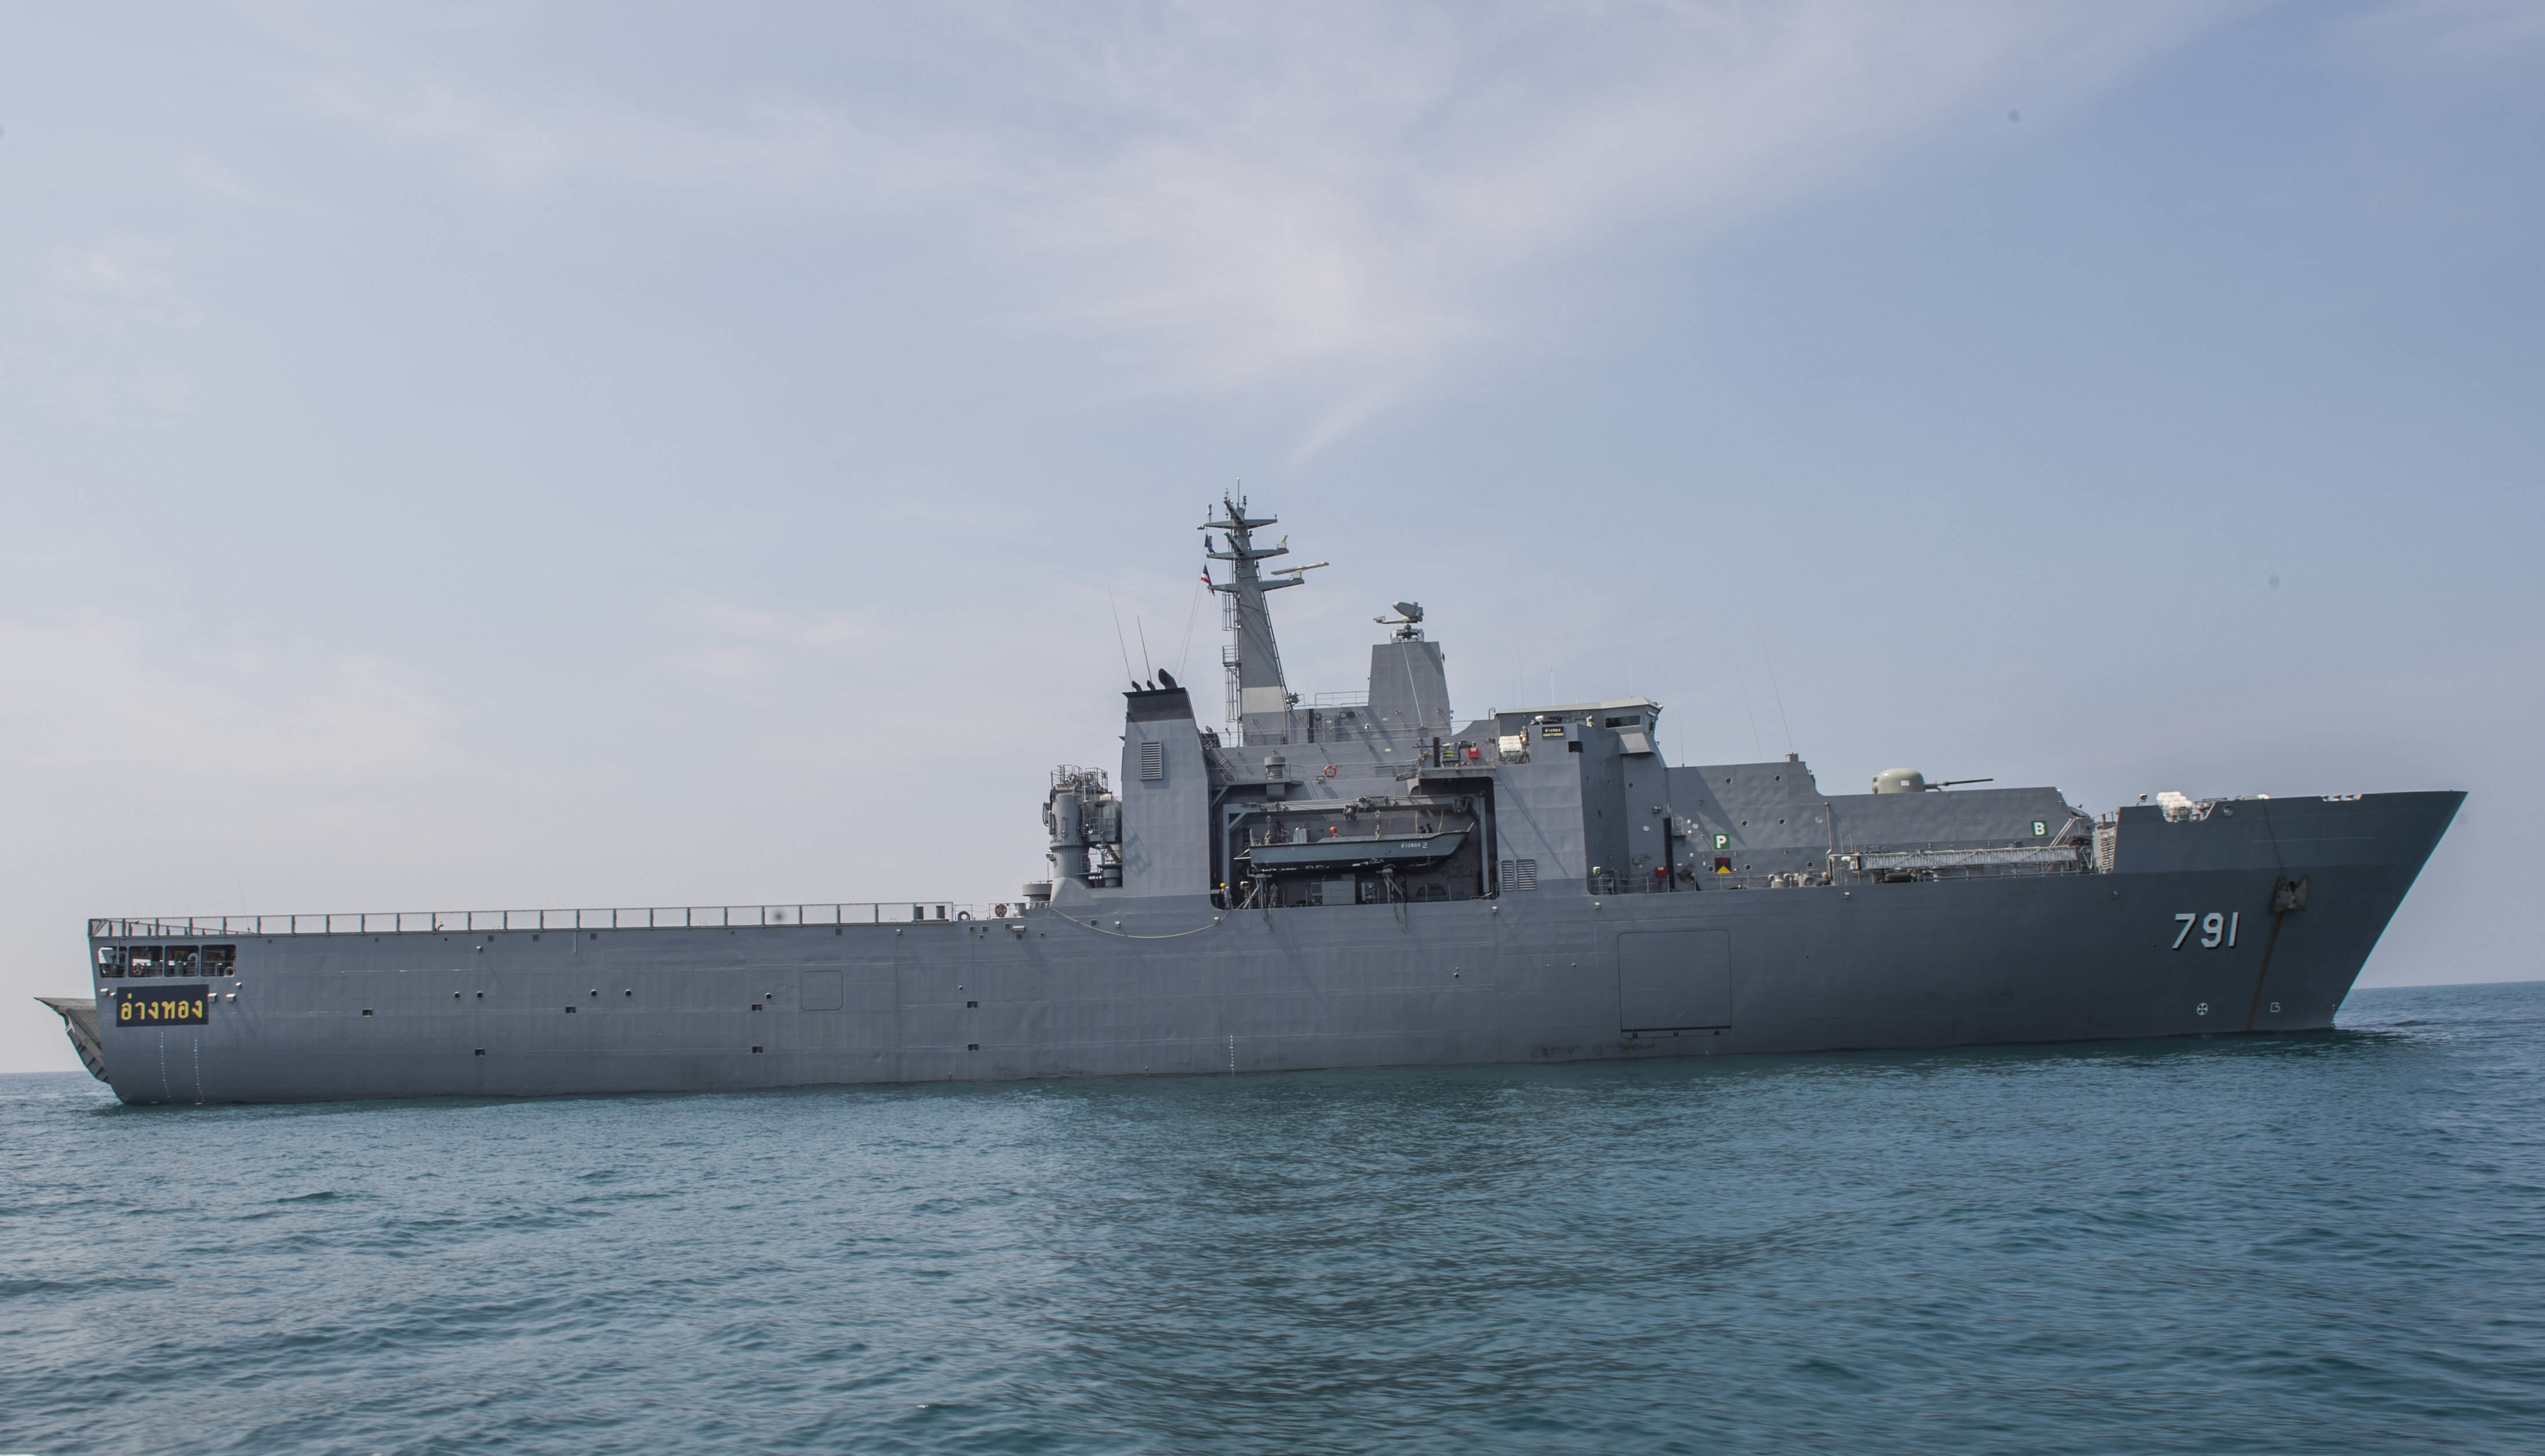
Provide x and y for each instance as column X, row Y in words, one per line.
column 1737, row 879
column 1903, row 866
column 1979, row 862
column 1259, row 895
column 644, row 918
column 1842, row 875
column 1610, row 882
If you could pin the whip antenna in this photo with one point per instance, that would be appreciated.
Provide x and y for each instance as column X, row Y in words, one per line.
column 1118, row 635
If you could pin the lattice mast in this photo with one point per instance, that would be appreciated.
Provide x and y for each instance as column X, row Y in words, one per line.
column 1262, row 699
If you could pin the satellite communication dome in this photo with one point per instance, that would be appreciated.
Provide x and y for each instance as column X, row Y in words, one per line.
column 1899, row 781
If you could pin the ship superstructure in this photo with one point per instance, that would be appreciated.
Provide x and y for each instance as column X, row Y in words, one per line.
column 1367, row 883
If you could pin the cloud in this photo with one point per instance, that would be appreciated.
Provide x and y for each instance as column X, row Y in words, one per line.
column 1339, row 197
column 2449, row 36
column 1369, row 217
column 122, row 280
column 828, row 632
column 766, row 142
column 113, row 305
column 1246, row 267
column 512, row 147
column 208, row 177
column 732, row 643
column 88, row 692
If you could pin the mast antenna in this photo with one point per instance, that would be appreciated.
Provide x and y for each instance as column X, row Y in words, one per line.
column 1118, row 635
column 1772, row 687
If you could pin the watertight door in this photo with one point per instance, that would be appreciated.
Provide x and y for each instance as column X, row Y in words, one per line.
column 1669, row 979
column 821, row 991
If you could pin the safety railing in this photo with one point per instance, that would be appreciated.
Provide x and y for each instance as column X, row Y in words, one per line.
column 1896, row 866
column 1764, row 880
column 648, row 918
column 1604, row 883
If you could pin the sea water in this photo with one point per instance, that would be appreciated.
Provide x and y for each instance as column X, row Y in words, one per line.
column 2323, row 1242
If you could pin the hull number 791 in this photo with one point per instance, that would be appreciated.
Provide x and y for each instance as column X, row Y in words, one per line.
column 2217, row 927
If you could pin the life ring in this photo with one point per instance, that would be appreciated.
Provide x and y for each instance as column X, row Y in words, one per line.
column 962, row 914
column 1000, row 911
column 1330, row 771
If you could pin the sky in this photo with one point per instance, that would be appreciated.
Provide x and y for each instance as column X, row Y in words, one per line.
column 580, row 455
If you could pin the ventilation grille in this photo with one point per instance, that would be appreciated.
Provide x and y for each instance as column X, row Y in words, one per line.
column 1519, row 874
column 1153, row 760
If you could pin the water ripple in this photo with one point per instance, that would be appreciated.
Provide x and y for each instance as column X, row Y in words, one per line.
column 2323, row 1242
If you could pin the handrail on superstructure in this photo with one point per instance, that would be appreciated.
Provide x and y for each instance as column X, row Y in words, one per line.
column 645, row 917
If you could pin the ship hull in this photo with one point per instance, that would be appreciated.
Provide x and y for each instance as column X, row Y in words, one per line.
column 1179, row 987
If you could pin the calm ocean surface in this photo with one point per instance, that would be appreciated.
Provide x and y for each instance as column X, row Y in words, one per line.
column 2333, row 1243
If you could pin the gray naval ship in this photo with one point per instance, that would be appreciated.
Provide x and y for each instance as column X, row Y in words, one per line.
column 1362, row 883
